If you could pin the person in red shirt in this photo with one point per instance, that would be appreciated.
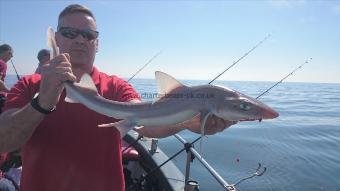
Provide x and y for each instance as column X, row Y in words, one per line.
column 62, row 146
column 6, row 53
column 44, row 57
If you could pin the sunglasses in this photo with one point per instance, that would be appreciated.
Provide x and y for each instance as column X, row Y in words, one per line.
column 72, row 33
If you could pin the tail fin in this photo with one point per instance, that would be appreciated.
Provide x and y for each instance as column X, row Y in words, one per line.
column 51, row 42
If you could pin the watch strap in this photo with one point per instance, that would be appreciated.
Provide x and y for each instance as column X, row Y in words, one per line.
column 36, row 106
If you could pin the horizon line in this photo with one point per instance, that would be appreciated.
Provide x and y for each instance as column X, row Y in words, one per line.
column 186, row 79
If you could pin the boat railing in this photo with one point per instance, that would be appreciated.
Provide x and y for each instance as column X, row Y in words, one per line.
column 192, row 153
column 191, row 185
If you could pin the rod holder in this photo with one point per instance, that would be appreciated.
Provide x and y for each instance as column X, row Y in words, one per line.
column 192, row 185
column 154, row 145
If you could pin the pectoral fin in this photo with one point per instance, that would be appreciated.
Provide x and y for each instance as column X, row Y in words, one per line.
column 204, row 117
column 123, row 126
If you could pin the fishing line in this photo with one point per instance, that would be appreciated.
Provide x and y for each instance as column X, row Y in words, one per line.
column 291, row 73
column 246, row 54
column 147, row 63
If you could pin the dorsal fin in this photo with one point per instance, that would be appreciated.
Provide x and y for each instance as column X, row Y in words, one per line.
column 86, row 83
column 165, row 84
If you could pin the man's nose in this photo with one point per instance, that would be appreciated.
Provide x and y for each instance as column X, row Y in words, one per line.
column 80, row 38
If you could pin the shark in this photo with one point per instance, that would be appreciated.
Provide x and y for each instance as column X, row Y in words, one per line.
column 174, row 104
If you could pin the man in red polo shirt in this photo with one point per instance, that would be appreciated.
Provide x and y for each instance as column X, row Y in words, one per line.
column 62, row 147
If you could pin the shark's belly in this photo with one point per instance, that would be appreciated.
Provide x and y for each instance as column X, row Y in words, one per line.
column 170, row 119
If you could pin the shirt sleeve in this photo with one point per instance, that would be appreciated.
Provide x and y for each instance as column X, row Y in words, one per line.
column 2, row 72
column 126, row 92
column 20, row 94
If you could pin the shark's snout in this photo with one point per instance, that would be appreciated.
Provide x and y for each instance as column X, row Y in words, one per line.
column 270, row 114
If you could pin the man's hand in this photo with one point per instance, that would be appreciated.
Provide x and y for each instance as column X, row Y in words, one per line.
column 53, row 74
column 213, row 125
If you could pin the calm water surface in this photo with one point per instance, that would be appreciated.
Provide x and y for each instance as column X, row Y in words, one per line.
column 301, row 148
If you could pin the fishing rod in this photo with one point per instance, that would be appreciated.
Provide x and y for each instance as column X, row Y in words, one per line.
column 188, row 146
column 194, row 152
column 246, row 54
column 13, row 66
column 156, row 55
column 291, row 73
column 147, row 63
column 15, row 70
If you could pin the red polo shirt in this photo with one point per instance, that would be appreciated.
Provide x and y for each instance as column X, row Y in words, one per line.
column 3, row 69
column 67, row 150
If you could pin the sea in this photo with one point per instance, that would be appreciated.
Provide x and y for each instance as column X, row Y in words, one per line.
column 300, row 149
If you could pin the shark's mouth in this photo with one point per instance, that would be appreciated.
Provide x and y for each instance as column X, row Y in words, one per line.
column 252, row 119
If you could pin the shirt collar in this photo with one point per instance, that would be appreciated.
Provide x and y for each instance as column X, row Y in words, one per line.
column 95, row 75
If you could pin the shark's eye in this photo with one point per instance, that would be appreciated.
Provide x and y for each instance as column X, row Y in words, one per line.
column 245, row 106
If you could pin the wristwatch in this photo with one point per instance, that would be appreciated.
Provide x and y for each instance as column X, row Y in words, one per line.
column 36, row 106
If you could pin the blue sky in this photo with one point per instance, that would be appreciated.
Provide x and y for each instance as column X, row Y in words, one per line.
column 199, row 38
